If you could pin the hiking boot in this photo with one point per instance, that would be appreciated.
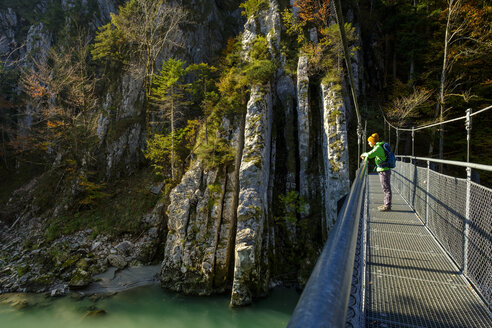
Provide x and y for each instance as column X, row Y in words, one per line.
column 384, row 208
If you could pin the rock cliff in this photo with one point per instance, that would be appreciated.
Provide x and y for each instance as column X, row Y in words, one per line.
column 25, row 40
column 228, row 231
column 244, row 226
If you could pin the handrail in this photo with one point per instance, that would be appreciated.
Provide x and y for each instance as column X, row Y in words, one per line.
column 456, row 163
column 324, row 301
column 434, row 124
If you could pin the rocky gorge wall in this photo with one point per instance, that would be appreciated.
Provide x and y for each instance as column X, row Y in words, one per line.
column 226, row 226
column 120, row 128
column 231, row 227
column 121, row 136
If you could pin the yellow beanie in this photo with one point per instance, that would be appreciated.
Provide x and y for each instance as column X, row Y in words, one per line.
column 373, row 138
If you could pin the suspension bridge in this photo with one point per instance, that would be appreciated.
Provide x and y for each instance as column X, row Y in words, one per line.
column 426, row 263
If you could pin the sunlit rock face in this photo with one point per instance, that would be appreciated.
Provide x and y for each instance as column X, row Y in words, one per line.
column 335, row 151
column 293, row 143
column 200, row 220
column 252, row 228
column 303, row 113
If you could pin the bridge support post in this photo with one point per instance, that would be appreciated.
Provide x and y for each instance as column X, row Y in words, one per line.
column 468, row 126
column 413, row 141
column 414, row 162
column 467, row 221
column 427, row 189
column 397, row 141
column 364, row 137
column 389, row 133
column 359, row 136
column 468, row 194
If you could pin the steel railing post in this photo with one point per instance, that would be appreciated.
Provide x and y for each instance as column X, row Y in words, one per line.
column 384, row 129
column 468, row 126
column 364, row 137
column 427, row 189
column 468, row 194
column 467, row 221
column 389, row 133
column 359, row 134
column 413, row 141
column 414, row 161
column 397, row 140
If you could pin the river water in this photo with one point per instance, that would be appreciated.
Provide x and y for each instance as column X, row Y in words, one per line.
column 144, row 307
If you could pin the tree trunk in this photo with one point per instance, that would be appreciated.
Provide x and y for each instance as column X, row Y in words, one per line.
column 394, row 60
column 4, row 150
column 386, row 60
column 412, row 70
column 441, row 101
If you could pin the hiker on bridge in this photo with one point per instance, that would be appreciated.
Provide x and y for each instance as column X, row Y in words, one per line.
column 380, row 152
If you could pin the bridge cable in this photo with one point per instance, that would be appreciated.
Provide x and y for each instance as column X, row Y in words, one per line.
column 341, row 27
column 433, row 124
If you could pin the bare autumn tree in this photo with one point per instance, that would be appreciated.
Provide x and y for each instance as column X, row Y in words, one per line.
column 453, row 28
column 62, row 91
column 139, row 34
column 467, row 34
column 403, row 107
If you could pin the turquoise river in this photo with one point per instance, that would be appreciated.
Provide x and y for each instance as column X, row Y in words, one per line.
column 144, row 307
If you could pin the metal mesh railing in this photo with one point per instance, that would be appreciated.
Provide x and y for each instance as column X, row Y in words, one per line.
column 441, row 203
column 480, row 239
column 420, row 196
column 446, row 217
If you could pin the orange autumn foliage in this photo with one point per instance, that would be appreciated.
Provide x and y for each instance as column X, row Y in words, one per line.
column 476, row 19
column 33, row 86
column 56, row 124
column 315, row 11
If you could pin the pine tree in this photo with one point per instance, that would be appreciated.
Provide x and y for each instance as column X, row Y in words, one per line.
column 204, row 89
column 169, row 97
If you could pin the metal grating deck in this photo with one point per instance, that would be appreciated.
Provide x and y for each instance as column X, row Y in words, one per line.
column 410, row 281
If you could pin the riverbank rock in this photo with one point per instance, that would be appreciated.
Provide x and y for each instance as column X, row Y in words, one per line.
column 30, row 264
column 17, row 301
column 59, row 290
column 117, row 261
column 115, row 280
column 80, row 279
column 94, row 314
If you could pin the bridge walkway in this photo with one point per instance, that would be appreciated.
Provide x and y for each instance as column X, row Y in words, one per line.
column 410, row 281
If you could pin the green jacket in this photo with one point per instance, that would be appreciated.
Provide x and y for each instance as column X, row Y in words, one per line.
column 377, row 153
